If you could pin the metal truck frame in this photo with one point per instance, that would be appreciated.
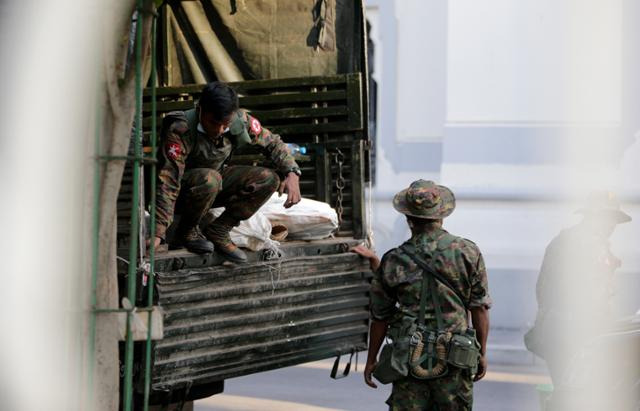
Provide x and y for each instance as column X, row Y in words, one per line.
column 310, row 302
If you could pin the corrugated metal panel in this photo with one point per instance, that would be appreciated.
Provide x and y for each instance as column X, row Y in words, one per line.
column 229, row 321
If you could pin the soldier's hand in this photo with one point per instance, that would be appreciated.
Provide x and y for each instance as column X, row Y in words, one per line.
column 156, row 243
column 291, row 186
column 374, row 261
column 368, row 371
column 482, row 369
column 363, row 251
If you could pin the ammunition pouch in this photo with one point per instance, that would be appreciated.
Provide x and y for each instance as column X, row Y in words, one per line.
column 432, row 351
column 425, row 354
column 393, row 362
column 386, row 370
column 464, row 350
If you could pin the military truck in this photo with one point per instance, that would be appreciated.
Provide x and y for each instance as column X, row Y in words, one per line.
column 301, row 68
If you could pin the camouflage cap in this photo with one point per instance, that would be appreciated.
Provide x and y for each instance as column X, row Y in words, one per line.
column 425, row 199
column 604, row 204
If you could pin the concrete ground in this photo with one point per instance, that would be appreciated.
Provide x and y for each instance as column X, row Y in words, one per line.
column 510, row 385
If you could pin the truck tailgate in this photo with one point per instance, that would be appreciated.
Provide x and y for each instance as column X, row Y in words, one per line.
column 224, row 321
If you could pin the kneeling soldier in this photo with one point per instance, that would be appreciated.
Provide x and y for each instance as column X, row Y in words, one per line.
column 192, row 176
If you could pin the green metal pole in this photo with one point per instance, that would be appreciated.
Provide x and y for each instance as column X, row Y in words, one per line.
column 152, row 207
column 94, row 256
column 135, row 223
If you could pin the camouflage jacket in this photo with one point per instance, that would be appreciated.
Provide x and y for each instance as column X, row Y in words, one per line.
column 399, row 280
column 184, row 147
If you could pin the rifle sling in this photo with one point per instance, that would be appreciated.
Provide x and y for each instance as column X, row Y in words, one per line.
column 423, row 299
column 432, row 273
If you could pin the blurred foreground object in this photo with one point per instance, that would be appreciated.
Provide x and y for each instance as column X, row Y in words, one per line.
column 574, row 291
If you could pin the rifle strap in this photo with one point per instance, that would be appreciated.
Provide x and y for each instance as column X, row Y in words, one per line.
column 409, row 249
column 428, row 283
column 436, row 303
column 423, row 298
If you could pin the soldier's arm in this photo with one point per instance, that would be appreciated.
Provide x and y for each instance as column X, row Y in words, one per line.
column 377, row 328
column 377, row 332
column 479, row 303
column 272, row 145
column 374, row 261
column 382, row 297
column 173, row 153
column 480, row 321
column 383, row 307
column 277, row 151
column 477, row 272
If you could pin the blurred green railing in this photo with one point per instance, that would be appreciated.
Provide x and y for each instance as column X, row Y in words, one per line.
column 135, row 261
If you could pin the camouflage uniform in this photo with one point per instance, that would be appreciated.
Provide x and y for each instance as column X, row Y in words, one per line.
column 399, row 280
column 396, row 288
column 192, row 177
column 451, row 392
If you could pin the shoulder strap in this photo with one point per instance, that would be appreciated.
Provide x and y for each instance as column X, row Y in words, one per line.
column 436, row 302
column 429, row 283
column 423, row 298
column 407, row 249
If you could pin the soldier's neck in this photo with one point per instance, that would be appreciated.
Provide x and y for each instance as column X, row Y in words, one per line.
column 426, row 228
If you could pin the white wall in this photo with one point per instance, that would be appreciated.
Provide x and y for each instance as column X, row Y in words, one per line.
column 523, row 102
column 422, row 69
column 534, row 61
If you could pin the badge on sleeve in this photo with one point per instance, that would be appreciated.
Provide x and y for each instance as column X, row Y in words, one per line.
column 256, row 128
column 174, row 151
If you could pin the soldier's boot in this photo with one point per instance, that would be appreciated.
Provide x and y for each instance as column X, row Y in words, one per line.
column 218, row 233
column 193, row 240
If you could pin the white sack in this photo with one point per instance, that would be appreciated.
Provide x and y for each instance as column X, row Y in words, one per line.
column 253, row 233
column 307, row 220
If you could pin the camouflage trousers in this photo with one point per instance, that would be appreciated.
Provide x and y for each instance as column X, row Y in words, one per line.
column 453, row 392
column 241, row 190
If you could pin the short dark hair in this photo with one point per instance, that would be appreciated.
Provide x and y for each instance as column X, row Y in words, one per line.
column 219, row 99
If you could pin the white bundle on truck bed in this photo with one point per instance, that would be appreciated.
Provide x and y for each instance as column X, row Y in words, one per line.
column 307, row 220
column 253, row 233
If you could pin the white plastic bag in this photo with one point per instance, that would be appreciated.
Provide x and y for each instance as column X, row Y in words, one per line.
column 307, row 220
column 253, row 233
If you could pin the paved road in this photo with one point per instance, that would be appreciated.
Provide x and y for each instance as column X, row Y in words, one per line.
column 308, row 388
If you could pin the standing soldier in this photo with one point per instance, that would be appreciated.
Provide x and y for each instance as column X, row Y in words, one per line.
column 569, row 316
column 421, row 294
column 192, row 175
